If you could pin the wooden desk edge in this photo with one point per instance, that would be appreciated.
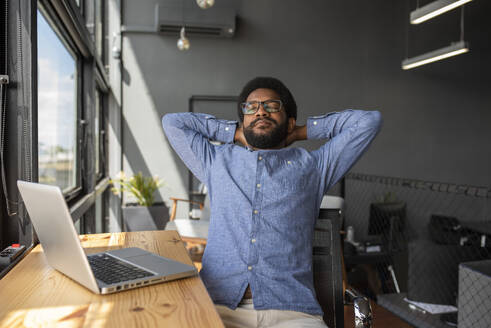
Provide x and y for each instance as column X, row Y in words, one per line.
column 26, row 305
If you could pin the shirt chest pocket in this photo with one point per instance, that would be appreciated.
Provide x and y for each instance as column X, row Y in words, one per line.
column 291, row 182
column 291, row 176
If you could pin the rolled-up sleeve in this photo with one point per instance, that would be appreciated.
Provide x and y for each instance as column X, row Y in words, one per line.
column 350, row 132
column 190, row 135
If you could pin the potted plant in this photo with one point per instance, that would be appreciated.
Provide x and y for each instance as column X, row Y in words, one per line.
column 144, row 213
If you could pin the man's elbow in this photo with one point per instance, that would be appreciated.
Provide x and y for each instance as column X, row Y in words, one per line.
column 375, row 120
column 169, row 120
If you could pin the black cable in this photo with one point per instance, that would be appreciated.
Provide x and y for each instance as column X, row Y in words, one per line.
column 26, row 111
column 407, row 31
column 462, row 24
column 6, row 35
column 3, row 118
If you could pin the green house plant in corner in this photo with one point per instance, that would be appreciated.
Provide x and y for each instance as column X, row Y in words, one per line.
column 144, row 213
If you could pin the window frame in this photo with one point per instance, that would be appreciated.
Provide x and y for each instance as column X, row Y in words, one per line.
column 101, row 171
column 71, row 19
column 67, row 19
column 99, row 29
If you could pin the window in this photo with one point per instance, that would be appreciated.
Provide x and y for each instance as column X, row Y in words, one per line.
column 94, row 13
column 97, row 122
column 57, row 109
column 99, row 28
column 99, row 134
column 78, row 226
column 102, row 212
column 69, row 70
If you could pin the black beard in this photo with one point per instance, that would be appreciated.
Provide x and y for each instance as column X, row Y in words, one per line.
column 269, row 140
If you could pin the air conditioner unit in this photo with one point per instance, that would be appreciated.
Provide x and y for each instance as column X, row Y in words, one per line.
column 217, row 21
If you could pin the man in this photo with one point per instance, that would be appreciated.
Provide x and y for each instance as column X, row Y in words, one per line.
column 265, row 199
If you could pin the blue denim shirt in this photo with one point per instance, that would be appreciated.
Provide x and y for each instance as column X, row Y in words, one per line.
column 264, row 203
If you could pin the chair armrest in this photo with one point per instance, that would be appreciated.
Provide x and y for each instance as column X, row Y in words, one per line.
column 185, row 200
column 174, row 206
column 362, row 308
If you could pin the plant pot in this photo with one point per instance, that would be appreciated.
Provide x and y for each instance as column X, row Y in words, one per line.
column 143, row 218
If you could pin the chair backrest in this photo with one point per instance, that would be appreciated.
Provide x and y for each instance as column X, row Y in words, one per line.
column 332, row 202
column 328, row 280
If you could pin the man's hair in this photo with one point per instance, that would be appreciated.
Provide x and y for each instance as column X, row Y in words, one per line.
column 273, row 84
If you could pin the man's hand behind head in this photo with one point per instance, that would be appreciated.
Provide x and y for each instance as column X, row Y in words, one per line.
column 239, row 135
column 296, row 134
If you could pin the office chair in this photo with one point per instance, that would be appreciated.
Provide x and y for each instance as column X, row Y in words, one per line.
column 189, row 227
column 194, row 232
column 328, row 277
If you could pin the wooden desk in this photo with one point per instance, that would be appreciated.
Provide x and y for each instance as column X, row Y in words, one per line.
column 34, row 295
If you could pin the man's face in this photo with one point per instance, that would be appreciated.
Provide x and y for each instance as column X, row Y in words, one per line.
column 262, row 129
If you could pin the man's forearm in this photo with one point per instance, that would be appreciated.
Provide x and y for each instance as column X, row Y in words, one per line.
column 206, row 125
column 189, row 135
column 239, row 135
column 301, row 133
column 332, row 124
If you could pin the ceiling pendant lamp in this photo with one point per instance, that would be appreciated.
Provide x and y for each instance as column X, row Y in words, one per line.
column 433, row 9
column 454, row 49
column 183, row 43
column 205, row 4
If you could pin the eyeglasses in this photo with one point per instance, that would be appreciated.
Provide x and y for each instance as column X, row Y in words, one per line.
column 251, row 107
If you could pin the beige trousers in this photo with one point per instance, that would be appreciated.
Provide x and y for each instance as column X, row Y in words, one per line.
column 244, row 316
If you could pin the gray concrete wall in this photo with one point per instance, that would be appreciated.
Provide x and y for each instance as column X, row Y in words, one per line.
column 333, row 55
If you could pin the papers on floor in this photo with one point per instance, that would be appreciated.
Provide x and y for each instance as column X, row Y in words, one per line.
column 432, row 308
column 373, row 249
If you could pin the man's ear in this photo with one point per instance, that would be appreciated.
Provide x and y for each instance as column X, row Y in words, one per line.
column 292, row 123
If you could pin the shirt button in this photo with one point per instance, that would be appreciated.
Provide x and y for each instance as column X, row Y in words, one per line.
column 256, row 211
column 227, row 128
column 315, row 122
column 258, row 185
column 253, row 240
column 249, row 268
column 259, row 158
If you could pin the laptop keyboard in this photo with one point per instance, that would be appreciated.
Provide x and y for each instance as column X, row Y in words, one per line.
column 111, row 270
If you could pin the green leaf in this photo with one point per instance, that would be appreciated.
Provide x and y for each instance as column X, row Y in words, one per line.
column 141, row 187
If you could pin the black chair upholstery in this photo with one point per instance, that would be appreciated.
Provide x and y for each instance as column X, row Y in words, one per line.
column 328, row 277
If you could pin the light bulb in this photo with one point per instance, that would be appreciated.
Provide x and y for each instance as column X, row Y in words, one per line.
column 183, row 42
column 116, row 52
column 205, row 4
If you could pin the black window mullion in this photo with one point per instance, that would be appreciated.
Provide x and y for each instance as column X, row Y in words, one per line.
column 19, row 95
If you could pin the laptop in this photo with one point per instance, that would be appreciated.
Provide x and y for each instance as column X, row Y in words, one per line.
column 102, row 273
